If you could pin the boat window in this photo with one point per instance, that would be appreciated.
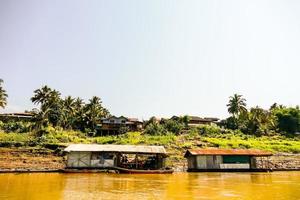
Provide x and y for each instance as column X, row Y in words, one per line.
column 236, row 159
column 108, row 155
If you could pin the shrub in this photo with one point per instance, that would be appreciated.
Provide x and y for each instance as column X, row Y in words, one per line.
column 173, row 126
column 209, row 130
column 155, row 129
column 17, row 127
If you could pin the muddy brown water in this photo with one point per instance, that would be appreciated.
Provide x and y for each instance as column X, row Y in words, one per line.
column 46, row 186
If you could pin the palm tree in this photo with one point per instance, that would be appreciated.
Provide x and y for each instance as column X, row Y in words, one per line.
column 94, row 111
column 68, row 112
column 41, row 95
column 51, row 104
column 237, row 105
column 3, row 96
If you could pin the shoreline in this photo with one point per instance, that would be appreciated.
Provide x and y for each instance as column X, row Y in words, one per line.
column 23, row 171
column 42, row 160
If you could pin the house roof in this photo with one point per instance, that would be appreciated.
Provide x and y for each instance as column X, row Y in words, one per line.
column 117, row 148
column 244, row 152
column 19, row 115
column 196, row 118
column 122, row 117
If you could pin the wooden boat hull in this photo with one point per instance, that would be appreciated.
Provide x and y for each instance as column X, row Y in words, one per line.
column 229, row 170
column 118, row 170
column 137, row 171
column 86, row 170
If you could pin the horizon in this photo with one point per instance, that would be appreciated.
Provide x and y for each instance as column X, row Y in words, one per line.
column 155, row 58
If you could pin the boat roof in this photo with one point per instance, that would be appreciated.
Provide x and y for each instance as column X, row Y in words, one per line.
column 116, row 148
column 242, row 152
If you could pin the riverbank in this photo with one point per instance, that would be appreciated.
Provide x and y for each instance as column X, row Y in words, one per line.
column 30, row 159
column 32, row 152
column 20, row 159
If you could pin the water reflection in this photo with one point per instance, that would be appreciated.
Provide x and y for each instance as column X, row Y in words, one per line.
column 278, row 185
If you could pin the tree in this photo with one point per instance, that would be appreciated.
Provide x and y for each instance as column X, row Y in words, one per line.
column 41, row 96
column 3, row 96
column 237, row 105
column 79, row 114
column 51, row 104
column 288, row 119
column 68, row 112
column 94, row 111
column 259, row 121
column 185, row 120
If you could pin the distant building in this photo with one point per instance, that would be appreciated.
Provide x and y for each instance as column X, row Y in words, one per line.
column 227, row 160
column 195, row 120
column 16, row 116
column 116, row 125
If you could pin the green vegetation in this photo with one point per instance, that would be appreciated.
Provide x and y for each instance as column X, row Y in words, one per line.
column 3, row 95
column 200, row 137
column 60, row 121
column 261, row 122
column 68, row 113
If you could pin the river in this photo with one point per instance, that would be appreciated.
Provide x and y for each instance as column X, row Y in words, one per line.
column 46, row 186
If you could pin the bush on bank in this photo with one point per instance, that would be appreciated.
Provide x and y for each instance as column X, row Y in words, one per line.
column 198, row 137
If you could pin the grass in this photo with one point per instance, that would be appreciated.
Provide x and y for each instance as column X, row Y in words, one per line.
column 174, row 143
column 263, row 143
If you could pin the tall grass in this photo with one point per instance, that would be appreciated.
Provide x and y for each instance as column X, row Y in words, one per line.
column 206, row 137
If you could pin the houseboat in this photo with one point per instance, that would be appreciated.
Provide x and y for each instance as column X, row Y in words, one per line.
column 120, row 158
column 227, row 160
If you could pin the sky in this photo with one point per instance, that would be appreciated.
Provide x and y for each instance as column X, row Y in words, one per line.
column 152, row 58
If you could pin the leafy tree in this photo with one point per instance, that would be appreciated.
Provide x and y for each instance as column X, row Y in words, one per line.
column 288, row 119
column 3, row 96
column 185, row 120
column 173, row 126
column 259, row 121
column 155, row 129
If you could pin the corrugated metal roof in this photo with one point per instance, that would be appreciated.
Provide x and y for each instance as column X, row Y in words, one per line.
column 250, row 152
column 116, row 148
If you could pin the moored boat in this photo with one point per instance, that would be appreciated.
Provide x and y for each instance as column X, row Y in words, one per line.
column 141, row 171
column 130, row 159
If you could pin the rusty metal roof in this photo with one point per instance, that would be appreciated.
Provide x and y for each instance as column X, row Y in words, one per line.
column 248, row 152
column 116, row 148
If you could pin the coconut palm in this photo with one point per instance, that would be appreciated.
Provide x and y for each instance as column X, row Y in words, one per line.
column 94, row 111
column 3, row 96
column 68, row 112
column 237, row 105
column 41, row 95
column 50, row 102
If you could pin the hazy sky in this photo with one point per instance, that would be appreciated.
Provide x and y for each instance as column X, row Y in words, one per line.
column 146, row 58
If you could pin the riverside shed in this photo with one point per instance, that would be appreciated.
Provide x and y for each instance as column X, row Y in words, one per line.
column 109, row 156
column 227, row 160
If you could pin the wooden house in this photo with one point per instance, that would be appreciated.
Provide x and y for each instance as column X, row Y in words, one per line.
column 227, row 160
column 195, row 120
column 116, row 125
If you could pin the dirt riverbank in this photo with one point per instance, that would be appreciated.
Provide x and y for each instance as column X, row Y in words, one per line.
column 31, row 159
column 42, row 159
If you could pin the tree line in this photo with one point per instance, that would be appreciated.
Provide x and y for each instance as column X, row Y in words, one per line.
column 74, row 113
column 259, row 121
column 68, row 112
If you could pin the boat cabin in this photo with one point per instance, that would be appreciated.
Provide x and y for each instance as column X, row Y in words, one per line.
column 94, row 156
column 227, row 160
